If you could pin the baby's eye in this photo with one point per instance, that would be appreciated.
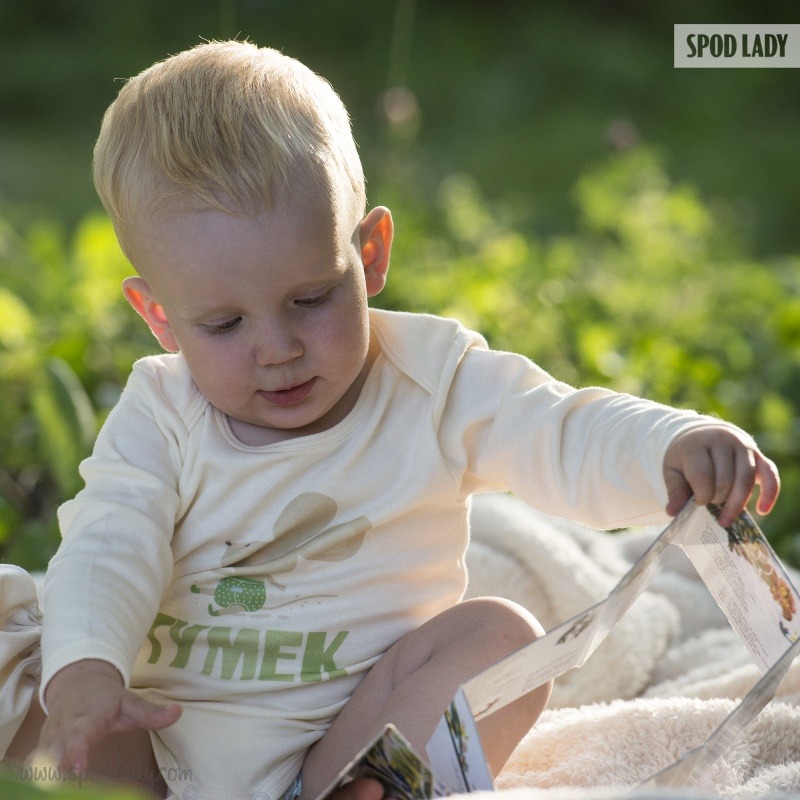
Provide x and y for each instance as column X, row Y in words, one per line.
column 223, row 327
column 310, row 302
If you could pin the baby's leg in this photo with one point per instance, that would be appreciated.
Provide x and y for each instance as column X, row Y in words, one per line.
column 125, row 758
column 415, row 679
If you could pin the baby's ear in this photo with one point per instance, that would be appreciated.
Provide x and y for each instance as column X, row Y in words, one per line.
column 376, row 231
column 139, row 294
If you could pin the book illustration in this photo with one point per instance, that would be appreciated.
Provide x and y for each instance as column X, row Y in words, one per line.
column 742, row 573
column 458, row 736
column 577, row 628
column 392, row 761
column 747, row 541
column 746, row 578
column 455, row 752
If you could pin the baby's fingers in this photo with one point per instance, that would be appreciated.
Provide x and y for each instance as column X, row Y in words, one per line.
column 751, row 469
column 735, row 477
column 721, row 465
column 66, row 742
column 67, row 746
column 136, row 713
column 769, row 482
column 693, row 473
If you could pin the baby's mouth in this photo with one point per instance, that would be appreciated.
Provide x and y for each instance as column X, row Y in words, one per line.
column 290, row 396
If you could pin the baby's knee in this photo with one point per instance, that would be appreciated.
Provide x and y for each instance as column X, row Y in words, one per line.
column 482, row 630
column 495, row 625
column 463, row 640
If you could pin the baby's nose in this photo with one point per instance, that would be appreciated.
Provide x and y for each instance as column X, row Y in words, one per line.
column 276, row 343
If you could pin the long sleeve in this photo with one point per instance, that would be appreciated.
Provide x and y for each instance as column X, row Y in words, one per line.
column 592, row 455
column 104, row 585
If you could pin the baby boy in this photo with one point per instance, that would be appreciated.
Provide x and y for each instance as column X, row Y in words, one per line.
column 266, row 564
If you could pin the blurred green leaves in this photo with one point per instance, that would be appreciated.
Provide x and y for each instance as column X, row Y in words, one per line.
column 23, row 787
column 66, row 345
column 65, row 420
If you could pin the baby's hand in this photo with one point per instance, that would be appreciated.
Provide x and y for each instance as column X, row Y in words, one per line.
column 86, row 701
column 718, row 464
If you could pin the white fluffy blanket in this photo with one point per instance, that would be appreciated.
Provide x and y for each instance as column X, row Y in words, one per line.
column 663, row 679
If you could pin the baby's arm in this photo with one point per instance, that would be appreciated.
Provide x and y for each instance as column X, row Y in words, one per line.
column 86, row 701
column 719, row 464
column 110, row 572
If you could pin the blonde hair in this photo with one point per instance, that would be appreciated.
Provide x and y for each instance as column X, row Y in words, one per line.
column 225, row 125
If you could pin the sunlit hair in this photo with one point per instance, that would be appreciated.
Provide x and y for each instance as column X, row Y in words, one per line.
column 225, row 125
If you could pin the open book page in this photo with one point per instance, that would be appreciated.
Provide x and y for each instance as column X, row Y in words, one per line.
column 455, row 752
column 747, row 580
column 569, row 644
column 565, row 646
column 745, row 577
column 743, row 574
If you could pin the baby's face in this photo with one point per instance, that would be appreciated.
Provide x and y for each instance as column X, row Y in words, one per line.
column 270, row 313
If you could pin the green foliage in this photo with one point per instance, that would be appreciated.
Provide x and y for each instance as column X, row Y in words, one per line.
column 65, row 418
column 66, row 345
column 21, row 787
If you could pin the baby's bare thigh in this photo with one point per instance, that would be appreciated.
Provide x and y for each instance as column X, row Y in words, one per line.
column 412, row 683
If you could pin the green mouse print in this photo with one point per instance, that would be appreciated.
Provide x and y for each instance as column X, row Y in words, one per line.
column 249, row 593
